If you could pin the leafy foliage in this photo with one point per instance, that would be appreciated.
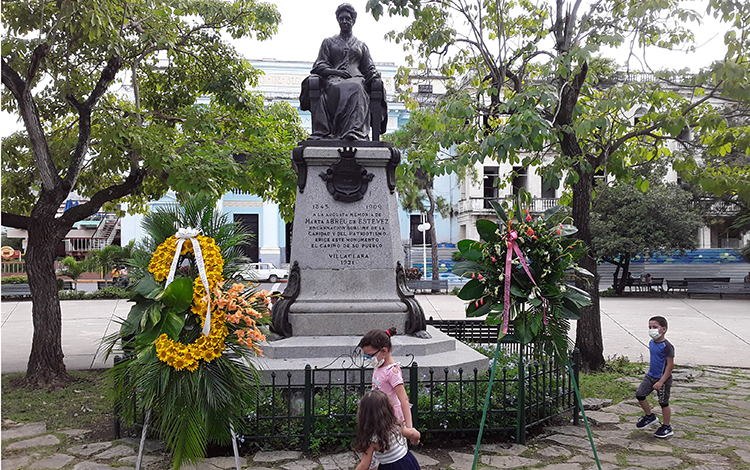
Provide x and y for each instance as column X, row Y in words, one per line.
column 122, row 101
column 530, row 82
column 72, row 268
column 197, row 211
column 540, row 307
column 15, row 280
column 627, row 222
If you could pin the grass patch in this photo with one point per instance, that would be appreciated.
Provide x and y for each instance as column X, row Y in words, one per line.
column 84, row 404
column 604, row 384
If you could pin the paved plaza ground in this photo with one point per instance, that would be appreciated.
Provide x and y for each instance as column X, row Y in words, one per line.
column 711, row 399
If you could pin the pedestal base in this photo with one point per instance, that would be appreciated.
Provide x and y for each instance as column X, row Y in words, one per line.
column 291, row 355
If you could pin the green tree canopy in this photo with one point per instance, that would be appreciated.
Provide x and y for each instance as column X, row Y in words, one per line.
column 626, row 222
column 531, row 80
column 121, row 101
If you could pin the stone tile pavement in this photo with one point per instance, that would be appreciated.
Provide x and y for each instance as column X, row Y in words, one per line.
column 711, row 419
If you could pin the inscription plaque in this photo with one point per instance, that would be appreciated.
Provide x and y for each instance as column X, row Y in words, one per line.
column 346, row 238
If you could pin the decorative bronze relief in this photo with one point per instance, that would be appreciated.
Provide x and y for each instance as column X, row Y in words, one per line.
column 346, row 179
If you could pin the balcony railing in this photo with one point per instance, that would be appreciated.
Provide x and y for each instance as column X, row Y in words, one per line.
column 77, row 245
column 480, row 205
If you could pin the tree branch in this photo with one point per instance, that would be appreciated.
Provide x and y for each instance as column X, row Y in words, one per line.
column 80, row 212
column 30, row 114
column 16, row 221
column 84, row 113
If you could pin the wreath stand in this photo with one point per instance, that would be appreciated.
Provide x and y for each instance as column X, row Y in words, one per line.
column 185, row 234
column 144, row 431
column 521, row 389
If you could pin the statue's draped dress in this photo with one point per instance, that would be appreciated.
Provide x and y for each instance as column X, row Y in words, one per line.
column 345, row 101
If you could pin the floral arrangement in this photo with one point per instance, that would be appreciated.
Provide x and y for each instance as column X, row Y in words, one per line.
column 191, row 335
column 518, row 273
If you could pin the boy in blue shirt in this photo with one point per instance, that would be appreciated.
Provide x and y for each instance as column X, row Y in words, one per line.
column 658, row 377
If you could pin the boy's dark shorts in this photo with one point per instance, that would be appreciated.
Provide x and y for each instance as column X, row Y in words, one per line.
column 647, row 386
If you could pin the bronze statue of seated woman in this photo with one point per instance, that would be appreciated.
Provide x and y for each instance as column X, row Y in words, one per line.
column 344, row 92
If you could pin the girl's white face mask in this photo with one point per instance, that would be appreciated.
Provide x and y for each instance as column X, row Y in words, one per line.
column 654, row 333
column 374, row 362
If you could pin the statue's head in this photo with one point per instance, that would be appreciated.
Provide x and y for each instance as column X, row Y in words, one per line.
column 346, row 8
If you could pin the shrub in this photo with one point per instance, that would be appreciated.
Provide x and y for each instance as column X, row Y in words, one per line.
column 72, row 295
column 15, row 280
column 110, row 292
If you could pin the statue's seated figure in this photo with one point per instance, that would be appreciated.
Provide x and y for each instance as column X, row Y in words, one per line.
column 344, row 92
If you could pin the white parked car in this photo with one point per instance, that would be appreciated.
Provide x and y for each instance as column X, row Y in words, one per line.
column 262, row 272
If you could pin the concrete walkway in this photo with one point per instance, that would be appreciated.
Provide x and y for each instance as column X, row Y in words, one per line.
column 704, row 331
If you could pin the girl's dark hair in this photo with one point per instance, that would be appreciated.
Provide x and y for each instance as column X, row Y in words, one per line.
column 378, row 339
column 375, row 418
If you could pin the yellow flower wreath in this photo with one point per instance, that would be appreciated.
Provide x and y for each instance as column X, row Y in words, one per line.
column 206, row 348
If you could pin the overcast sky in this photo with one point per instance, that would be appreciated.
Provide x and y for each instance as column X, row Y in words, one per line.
column 305, row 23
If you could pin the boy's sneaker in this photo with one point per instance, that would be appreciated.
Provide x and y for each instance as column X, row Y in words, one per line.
column 664, row 430
column 646, row 421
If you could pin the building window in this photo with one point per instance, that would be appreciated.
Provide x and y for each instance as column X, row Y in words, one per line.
column 548, row 192
column 519, row 179
column 417, row 238
column 490, row 183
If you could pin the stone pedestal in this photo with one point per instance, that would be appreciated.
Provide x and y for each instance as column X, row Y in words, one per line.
column 346, row 274
column 346, row 245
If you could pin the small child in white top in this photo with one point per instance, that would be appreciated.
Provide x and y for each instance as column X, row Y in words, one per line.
column 380, row 436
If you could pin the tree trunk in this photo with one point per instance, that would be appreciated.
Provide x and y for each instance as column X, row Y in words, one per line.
column 615, row 277
column 433, row 237
column 45, row 366
column 625, row 276
column 588, row 327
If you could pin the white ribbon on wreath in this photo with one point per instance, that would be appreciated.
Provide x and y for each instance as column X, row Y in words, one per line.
column 189, row 233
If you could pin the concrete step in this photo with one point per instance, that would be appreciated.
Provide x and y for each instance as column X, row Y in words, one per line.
column 289, row 357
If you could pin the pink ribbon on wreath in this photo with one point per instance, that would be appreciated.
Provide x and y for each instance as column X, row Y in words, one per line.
column 513, row 247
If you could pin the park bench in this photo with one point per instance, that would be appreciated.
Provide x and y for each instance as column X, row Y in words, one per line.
column 720, row 288
column 428, row 285
column 16, row 290
column 674, row 285
column 641, row 285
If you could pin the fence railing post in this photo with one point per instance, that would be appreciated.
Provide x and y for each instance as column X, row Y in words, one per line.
column 414, row 394
column 308, row 421
column 521, row 421
column 118, row 407
column 576, row 370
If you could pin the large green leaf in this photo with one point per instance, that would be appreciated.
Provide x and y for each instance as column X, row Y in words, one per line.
column 522, row 330
column 179, row 294
column 471, row 290
column 551, row 211
column 473, row 311
column 463, row 267
column 148, row 287
column 471, row 249
column 579, row 296
column 153, row 313
column 172, row 324
column 500, row 211
column 130, row 325
column 487, row 230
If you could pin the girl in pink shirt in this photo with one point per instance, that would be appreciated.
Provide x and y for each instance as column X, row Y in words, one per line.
column 376, row 346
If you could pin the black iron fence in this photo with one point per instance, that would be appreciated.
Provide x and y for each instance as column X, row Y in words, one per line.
column 528, row 389
column 322, row 412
